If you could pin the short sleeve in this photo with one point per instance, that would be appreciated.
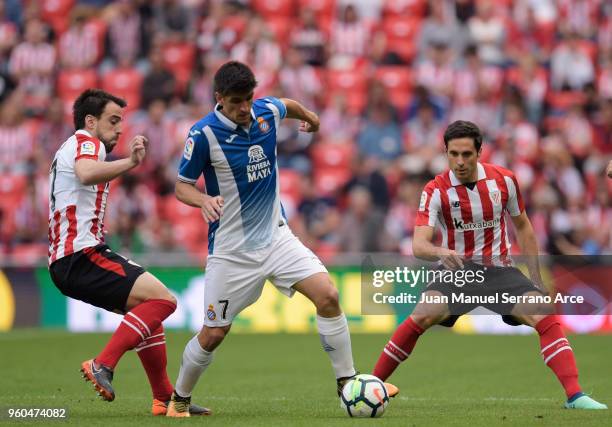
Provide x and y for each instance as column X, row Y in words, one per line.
column 429, row 206
column 515, row 205
column 277, row 107
column 88, row 148
column 195, row 157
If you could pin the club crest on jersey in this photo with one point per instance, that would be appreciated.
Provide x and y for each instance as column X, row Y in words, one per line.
column 264, row 126
column 259, row 166
column 188, row 148
column 495, row 197
column 210, row 313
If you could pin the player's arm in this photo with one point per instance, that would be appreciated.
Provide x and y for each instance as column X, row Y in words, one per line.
column 295, row 110
column 423, row 247
column 211, row 207
column 529, row 247
column 93, row 172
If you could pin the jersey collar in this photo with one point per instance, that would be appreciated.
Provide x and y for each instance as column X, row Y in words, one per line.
column 227, row 122
column 455, row 182
column 84, row 132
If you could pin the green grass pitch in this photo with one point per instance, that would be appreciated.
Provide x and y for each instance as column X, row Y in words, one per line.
column 269, row 380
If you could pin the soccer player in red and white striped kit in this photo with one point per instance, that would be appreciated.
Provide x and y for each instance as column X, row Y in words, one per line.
column 468, row 203
column 83, row 267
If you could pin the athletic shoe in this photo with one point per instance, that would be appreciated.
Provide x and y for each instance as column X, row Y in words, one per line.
column 582, row 401
column 100, row 377
column 179, row 406
column 341, row 382
column 161, row 408
column 392, row 390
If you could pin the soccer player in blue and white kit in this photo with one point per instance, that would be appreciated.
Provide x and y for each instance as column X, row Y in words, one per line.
column 234, row 147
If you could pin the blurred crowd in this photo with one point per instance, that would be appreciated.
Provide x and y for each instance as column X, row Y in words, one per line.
column 385, row 76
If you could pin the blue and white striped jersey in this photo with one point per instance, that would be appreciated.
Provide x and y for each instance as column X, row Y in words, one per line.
column 238, row 164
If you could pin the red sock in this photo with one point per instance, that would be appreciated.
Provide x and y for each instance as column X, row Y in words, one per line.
column 152, row 354
column 135, row 327
column 398, row 348
column 558, row 354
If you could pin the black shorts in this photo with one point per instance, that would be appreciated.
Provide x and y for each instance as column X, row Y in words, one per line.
column 497, row 281
column 97, row 276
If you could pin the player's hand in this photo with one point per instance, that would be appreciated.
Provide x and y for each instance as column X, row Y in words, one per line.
column 138, row 149
column 609, row 169
column 450, row 259
column 212, row 208
column 310, row 125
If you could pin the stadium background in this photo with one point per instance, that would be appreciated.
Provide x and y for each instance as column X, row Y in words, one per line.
column 386, row 76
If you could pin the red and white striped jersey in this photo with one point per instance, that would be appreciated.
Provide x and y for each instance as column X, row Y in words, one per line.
column 473, row 220
column 76, row 211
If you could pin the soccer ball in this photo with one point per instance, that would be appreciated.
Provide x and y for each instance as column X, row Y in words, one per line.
column 365, row 396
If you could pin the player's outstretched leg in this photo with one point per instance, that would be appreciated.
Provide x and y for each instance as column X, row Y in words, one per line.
column 405, row 337
column 331, row 323
column 148, row 304
column 197, row 356
column 559, row 357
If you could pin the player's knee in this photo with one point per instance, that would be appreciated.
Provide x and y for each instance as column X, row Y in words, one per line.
column 210, row 338
column 328, row 299
column 426, row 320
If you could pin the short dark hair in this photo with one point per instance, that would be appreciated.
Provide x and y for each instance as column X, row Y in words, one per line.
column 234, row 77
column 463, row 129
column 92, row 101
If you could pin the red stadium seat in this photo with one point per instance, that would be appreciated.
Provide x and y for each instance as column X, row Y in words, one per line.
column 290, row 185
column 274, row 8
column 332, row 155
column 329, row 181
column 324, row 9
column 124, row 82
column 280, row 27
column 400, row 8
column 180, row 58
column 565, row 100
column 57, row 13
column 402, row 32
column 398, row 82
column 70, row 83
column 352, row 83
column 12, row 188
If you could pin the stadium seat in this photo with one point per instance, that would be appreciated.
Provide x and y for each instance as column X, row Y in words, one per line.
column 352, row 83
column 401, row 8
column 274, row 8
column 180, row 58
column 398, row 82
column 57, row 13
column 124, row 82
column 290, row 185
column 324, row 9
column 329, row 181
column 280, row 27
column 70, row 84
column 564, row 100
column 402, row 32
column 332, row 155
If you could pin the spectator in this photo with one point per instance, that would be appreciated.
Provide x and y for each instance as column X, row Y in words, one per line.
column 571, row 68
column 159, row 83
column 78, row 46
column 54, row 129
column 487, row 31
column 18, row 150
column 440, row 28
column 174, row 20
column 349, row 38
column 309, row 38
column 32, row 64
column 126, row 38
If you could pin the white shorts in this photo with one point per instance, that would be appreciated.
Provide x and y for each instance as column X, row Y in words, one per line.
column 235, row 281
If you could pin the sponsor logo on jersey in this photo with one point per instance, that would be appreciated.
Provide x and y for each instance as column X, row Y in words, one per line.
column 495, row 197
column 88, row 148
column 188, row 148
column 481, row 225
column 231, row 138
column 210, row 313
column 259, row 166
column 455, row 204
column 264, row 126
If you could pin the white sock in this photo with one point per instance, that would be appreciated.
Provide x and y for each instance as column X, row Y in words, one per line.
column 336, row 341
column 195, row 361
